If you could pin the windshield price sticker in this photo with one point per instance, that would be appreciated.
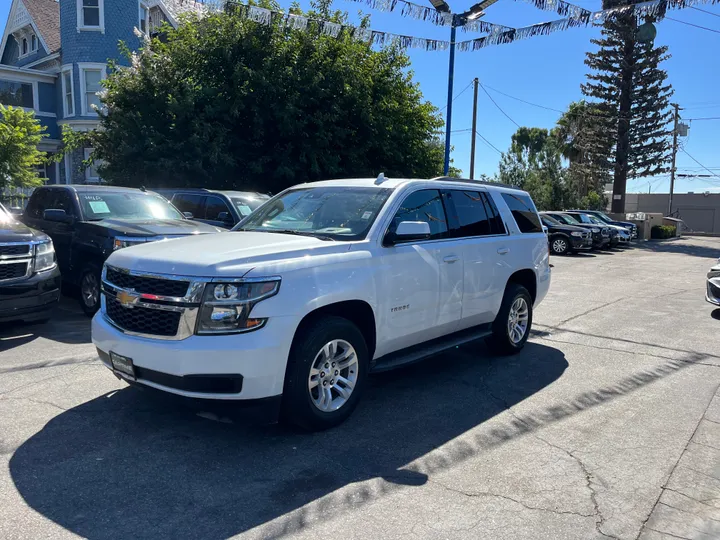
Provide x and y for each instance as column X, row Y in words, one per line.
column 99, row 207
column 367, row 215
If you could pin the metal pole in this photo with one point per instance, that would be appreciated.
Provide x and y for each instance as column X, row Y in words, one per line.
column 474, row 129
column 674, row 153
column 446, row 168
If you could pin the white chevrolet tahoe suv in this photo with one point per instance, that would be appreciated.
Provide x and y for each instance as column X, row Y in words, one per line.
column 322, row 285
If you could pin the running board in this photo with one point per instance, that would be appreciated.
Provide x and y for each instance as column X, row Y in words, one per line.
column 429, row 348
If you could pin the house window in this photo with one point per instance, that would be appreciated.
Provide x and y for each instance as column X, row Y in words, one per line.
column 91, row 174
column 33, row 43
column 90, row 15
column 24, row 46
column 41, row 171
column 90, row 77
column 67, row 89
column 144, row 17
column 16, row 94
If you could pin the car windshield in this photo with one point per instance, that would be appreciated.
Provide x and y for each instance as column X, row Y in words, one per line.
column 550, row 221
column 97, row 205
column 595, row 219
column 337, row 213
column 245, row 205
column 603, row 217
column 568, row 220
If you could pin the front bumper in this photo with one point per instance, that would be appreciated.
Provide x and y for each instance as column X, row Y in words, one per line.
column 30, row 299
column 236, row 367
column 581, row 243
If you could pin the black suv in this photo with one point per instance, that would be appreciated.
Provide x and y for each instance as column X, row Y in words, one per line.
column 566, row 238
column 87, row 223
column 29, row 276
column 219, row 208
column 600, row 235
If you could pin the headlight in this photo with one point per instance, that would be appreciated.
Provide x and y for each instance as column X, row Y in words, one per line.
column 575, row 233
column 44, row 257
column 595, row 230
column 226, row 307
column 120, row 243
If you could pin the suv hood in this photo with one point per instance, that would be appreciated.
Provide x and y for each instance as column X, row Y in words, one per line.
column 14, row 231
column 568, row 228
column 228, row 254
column 153, row 227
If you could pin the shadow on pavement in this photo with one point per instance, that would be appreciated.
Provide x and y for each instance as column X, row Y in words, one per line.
column 715, row 314
column 65, row 326
column 678, row 246
column 129, row 465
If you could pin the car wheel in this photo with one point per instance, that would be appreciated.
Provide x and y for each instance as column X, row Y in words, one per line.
column 326, row 373
column 559, row 245
column 511, row 328
column 90, row 291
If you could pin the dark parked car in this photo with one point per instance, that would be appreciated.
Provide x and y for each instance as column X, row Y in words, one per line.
column 607, row 219
column 87, row 223
column 219, row 208
column 588, row 219
column 566, row 238
column 600, row 235
column 29, row 276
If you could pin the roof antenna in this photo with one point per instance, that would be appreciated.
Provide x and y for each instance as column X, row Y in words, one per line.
column 380, row 179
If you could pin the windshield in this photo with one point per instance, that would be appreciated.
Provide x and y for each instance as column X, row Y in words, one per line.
column 603, row 217
column 245, row 205
column 595, row 219
column 97, row 205
column 568, row 220
column 340, row 213
column 549, row 221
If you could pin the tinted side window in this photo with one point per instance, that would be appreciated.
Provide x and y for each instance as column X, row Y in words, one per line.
column 60, row 200
column 37, row 203
column 427, row 206
column 523, row 210
column 186, row 202
column 496, row 223
column 214, row 206
column 472, row 218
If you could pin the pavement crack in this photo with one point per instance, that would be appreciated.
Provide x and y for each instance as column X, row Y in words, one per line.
column 669, row 534
column 591, row 310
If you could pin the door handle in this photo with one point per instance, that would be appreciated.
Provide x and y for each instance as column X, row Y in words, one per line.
column 451, row 259
column 503, row 251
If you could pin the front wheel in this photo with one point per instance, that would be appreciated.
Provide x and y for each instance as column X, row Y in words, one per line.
column 511, row 328
column 559, row 245
column 90, row 291
column 326, row 373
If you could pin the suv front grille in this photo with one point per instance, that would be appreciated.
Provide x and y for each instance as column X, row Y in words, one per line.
column 147, row 285
column 13, row 270
column 142, row 320
column 15, row 250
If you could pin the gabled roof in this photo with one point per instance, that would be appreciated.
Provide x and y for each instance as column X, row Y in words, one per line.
column 46, row 15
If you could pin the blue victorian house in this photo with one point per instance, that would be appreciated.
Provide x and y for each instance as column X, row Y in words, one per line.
column 53, row 57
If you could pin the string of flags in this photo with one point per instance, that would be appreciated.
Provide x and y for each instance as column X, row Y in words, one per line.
column 575, row 16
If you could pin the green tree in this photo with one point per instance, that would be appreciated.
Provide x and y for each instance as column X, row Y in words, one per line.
column 20, row 134
column 632, row 98
column 225, row 102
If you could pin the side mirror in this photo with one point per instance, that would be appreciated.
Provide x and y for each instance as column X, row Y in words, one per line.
column 225, row 217
column 57, row 215
column 188, row 215
column 408, row 231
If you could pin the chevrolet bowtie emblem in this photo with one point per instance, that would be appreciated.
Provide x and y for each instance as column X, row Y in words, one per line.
column 127, row 299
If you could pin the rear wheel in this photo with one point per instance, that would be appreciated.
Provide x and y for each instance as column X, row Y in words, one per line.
column 326, row 374
column 511, row 328
column 90, row 291
column 559, row 245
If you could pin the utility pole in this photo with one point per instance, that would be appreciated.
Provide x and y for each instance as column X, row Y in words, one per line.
column 674, row 153
column 474, row 129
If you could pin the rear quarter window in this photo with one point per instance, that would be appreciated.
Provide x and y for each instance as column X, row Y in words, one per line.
column 523, row 210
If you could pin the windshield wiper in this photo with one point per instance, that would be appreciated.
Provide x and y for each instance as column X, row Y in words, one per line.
column 292, row 231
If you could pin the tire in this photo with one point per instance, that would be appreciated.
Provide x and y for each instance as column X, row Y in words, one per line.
column 302, row 402
column 559, row 245
column 501, row 341
column 90, row 305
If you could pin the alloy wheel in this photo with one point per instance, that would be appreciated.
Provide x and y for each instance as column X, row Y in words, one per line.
column 90, row 290
column 518, row 320
column 559, row 245
column 333, row 375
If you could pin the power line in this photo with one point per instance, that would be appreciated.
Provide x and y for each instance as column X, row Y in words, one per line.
column 458, row 95
column 491, row 145
column 498, row 106
column 705, row 118
column 522, row 100
column 705, row 11
column 703, row 166
column 695, row 25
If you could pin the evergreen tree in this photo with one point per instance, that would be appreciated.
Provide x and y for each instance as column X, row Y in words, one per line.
column 629, row 133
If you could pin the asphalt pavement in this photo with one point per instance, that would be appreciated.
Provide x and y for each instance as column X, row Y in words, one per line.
column 607, row 425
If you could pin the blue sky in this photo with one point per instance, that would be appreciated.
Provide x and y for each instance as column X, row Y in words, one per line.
column 548, row 70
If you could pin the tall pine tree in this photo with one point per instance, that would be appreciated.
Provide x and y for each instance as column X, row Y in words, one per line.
column 630, row 133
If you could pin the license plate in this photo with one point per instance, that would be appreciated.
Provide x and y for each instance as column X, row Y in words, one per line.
column 123, row 365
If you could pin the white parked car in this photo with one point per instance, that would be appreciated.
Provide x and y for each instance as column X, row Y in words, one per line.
column 713, row 285
column 320, row 286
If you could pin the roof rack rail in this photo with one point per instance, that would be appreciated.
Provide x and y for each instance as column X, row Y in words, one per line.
column 482, row 182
